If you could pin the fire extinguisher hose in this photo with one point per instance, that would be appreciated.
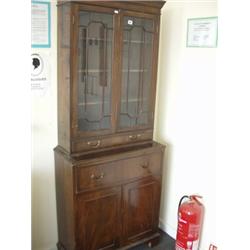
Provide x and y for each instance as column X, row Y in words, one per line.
column 182, row 198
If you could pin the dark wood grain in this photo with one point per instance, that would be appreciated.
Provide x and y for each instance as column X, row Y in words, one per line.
column 97, row 143
column 140, row 201
column 117, row 172
column 136, row 172
column 98, row 219
column 155, row 66
column 65, row 201
column 108, row 182
column 140, row 6
column 63, row 74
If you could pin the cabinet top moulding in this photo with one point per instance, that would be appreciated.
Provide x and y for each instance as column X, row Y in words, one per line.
column 153, row 7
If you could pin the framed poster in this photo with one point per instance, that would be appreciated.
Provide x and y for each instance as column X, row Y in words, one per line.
column 40, row 24
column 202, row 32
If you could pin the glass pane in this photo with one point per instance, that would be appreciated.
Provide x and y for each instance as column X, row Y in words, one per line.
column 136, row 71
column 94, row 70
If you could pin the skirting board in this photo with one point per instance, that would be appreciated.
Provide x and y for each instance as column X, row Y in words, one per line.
column 167, row 229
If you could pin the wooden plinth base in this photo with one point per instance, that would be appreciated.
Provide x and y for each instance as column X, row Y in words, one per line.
column 150, row 241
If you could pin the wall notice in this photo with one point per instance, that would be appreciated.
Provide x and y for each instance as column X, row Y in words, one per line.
column 40, row 24
column 202, row 32
column 40, row 73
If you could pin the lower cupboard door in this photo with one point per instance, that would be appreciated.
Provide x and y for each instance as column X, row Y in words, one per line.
column 98, row 219
column 141, row 201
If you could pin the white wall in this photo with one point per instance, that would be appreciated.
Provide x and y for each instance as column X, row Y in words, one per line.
column 185, row 120
column 185, row 116
column 44, row 139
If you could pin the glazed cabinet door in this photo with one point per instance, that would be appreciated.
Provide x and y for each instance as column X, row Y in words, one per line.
column 138, row 80
column 93, row 60
column 141, row 202
column 98, row 219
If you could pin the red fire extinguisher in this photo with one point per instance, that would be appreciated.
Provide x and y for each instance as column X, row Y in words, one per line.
column 190, row 218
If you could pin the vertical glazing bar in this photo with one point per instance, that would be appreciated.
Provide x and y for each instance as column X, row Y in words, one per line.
column 154, row 49
column 142, row 73
column 87, row 70
column 116, row 69
column 106, row 56
column 103, row 102
column 83, row 37
column 140, row 79
column 92, row 85
column 102, row 55
column 103, row 67
column 128, row 74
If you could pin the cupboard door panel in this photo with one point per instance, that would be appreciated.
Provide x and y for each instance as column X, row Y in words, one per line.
column 94, row 75
column 98, row 216
column 141, row 204
column 137, row 56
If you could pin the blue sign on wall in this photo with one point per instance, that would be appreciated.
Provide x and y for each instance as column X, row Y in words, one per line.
column 40, row 24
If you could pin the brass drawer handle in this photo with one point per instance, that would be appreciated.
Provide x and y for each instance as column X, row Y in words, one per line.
column 94, row 144
column 97, row 177
column 134, row 137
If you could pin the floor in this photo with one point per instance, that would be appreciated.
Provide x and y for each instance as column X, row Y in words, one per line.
column 166, row 243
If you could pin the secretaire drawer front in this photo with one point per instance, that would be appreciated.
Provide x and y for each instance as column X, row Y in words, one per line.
column 120, row 171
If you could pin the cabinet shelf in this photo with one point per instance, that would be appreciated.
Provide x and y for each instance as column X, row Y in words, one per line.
column 111, row 41
column 123, row 71
column 106, row 102
column 134, row 70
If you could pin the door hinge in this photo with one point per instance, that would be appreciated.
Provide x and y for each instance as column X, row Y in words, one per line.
column 73, row 19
